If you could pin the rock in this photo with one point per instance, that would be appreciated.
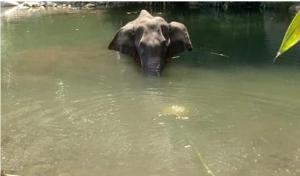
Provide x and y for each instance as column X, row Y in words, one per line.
column 31, row 4
column 43, row 3
column 51, row 4
column 294, row 8
column 23, row 7
column 90, row 5
column 9, row 3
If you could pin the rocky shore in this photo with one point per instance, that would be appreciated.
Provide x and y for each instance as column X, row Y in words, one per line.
column 14, row 9
column 26, row 8
column 59, row 4
column 290, row 6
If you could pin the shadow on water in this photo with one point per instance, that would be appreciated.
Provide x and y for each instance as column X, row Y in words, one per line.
column 224, row 38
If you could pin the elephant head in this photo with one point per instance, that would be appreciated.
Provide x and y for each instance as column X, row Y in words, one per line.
column 151, row 41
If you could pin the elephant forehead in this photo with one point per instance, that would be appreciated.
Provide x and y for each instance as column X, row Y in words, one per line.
column 153, row 39
column 151, row 20
column 160, row 20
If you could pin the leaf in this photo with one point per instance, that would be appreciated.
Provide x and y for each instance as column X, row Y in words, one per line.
column 291, row 37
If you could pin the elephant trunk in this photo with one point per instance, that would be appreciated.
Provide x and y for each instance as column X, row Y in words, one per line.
column 152, row 66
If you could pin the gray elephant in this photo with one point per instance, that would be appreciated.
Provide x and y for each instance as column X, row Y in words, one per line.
column 151, row 41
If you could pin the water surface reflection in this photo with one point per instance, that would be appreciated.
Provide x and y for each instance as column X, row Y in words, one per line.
column 72, row 107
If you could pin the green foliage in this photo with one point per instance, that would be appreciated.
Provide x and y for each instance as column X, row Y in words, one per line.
column 291, row 37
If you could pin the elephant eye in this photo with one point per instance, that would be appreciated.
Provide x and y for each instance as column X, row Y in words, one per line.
column 139, row 29
column 164, row 30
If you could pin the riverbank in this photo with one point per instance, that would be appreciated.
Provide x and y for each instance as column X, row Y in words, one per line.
column 58, row 4
column 226, row 6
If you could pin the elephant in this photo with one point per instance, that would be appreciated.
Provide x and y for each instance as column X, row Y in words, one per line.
column 151, row 41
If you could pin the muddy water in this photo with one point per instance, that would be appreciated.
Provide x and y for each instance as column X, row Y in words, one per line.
column 72, row 107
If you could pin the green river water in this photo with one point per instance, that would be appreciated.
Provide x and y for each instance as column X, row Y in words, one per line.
column 71, row 107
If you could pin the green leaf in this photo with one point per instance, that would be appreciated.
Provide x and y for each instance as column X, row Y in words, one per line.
column 291, row 37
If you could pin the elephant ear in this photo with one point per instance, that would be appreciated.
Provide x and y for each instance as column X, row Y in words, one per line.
column 179, row 39
column 124, row 41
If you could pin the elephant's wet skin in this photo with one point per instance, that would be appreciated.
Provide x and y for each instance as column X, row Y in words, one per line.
column 151, row 41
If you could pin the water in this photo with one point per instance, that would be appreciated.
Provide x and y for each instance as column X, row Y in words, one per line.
column 72, row 107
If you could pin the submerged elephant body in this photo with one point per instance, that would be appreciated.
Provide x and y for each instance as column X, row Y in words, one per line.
column 151, row 41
